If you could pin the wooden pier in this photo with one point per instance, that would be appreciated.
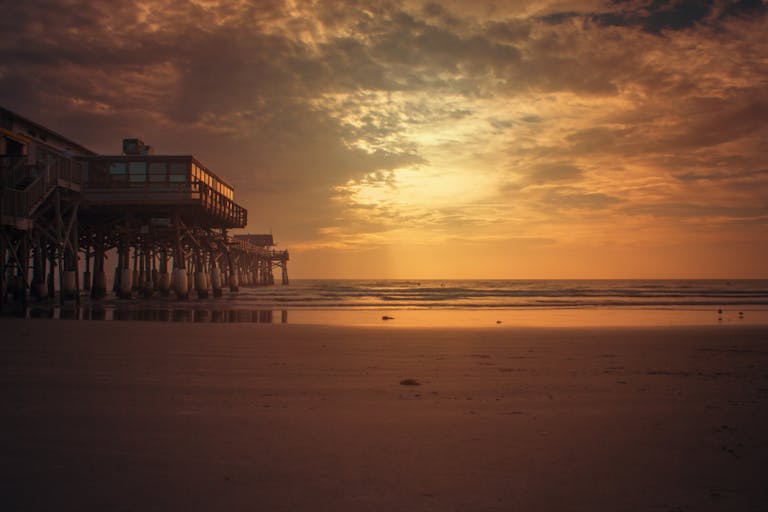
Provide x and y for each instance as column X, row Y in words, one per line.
column 164, row 219
column 260, row 253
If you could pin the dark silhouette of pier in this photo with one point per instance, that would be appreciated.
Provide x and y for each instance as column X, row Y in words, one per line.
column 165, row 218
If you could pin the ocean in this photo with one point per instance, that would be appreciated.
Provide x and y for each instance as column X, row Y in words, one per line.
column 504, row 294
column 447, row 303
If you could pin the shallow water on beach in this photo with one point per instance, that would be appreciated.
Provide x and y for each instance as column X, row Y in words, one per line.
column 393, row 318
column 463, row 303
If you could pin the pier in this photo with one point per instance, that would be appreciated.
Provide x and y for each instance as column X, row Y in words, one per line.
column 165, row 219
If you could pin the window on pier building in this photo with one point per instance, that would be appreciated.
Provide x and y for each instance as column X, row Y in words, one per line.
column 157, row 172
column 178, row 172
column 118, row 172
column 137, row 172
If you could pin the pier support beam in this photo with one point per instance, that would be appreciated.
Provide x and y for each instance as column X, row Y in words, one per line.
column 154, row 274
column 234, row 282
column 284, row 269
column 145, row 275
column 125, row 281
column 201, row 287
column 99, row 288
column 135, row 269
column 179, row 278
column 164, row 277
column 38, row 289
column 87, row 276
column 215, row 277
column 51, row 272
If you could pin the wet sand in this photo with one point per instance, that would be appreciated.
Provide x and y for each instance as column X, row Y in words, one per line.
column 180, row 416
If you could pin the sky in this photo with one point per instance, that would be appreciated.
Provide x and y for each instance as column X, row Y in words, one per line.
column 454, row 139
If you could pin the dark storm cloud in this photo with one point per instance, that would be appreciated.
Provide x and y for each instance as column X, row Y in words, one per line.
column 658, row 16
column 558, row 17
column 744, row 8
column 434, row 10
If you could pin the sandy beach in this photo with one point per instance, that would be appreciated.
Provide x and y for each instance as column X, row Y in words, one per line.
column 164, row 416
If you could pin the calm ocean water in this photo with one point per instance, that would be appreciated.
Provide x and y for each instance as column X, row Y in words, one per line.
column 487, row 294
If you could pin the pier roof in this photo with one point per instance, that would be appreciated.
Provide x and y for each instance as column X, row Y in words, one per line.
column 257, row 240
column 16, row 125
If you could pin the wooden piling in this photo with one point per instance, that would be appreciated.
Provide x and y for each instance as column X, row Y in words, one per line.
column 99, row 288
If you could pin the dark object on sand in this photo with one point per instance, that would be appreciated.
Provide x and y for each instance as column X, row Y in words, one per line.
column 410, row 382
column 385, row 317
column 498, row 321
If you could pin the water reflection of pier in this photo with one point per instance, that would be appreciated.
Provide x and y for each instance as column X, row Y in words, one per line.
column 194, row 315
column 164, row 219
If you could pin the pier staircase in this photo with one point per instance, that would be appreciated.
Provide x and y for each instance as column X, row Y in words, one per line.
column 25, row 187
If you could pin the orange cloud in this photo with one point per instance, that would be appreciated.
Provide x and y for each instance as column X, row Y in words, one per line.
column 550, row 137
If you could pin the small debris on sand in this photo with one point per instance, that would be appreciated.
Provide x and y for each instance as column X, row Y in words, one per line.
column 410, row 382
column 385, row 317
column 498, row 321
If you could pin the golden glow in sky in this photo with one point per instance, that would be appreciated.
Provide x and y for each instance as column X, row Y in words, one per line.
column 458, row 139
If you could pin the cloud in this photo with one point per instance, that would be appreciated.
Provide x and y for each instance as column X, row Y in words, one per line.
column 344, row 122
column 555, row 172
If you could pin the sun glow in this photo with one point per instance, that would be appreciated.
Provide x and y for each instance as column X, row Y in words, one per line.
column 416, row 188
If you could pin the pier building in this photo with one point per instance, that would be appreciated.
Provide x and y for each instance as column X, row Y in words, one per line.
column 165, row 218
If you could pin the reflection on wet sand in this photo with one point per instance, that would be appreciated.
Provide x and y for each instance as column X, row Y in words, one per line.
column 198, row 315
column 395, row 318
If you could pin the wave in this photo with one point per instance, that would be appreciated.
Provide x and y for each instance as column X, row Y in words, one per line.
column 509, row 294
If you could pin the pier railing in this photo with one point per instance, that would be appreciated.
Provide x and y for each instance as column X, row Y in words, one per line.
column 166, row 194
column 220, row 205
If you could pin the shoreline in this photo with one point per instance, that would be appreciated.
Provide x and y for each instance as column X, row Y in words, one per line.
column 617, row 316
